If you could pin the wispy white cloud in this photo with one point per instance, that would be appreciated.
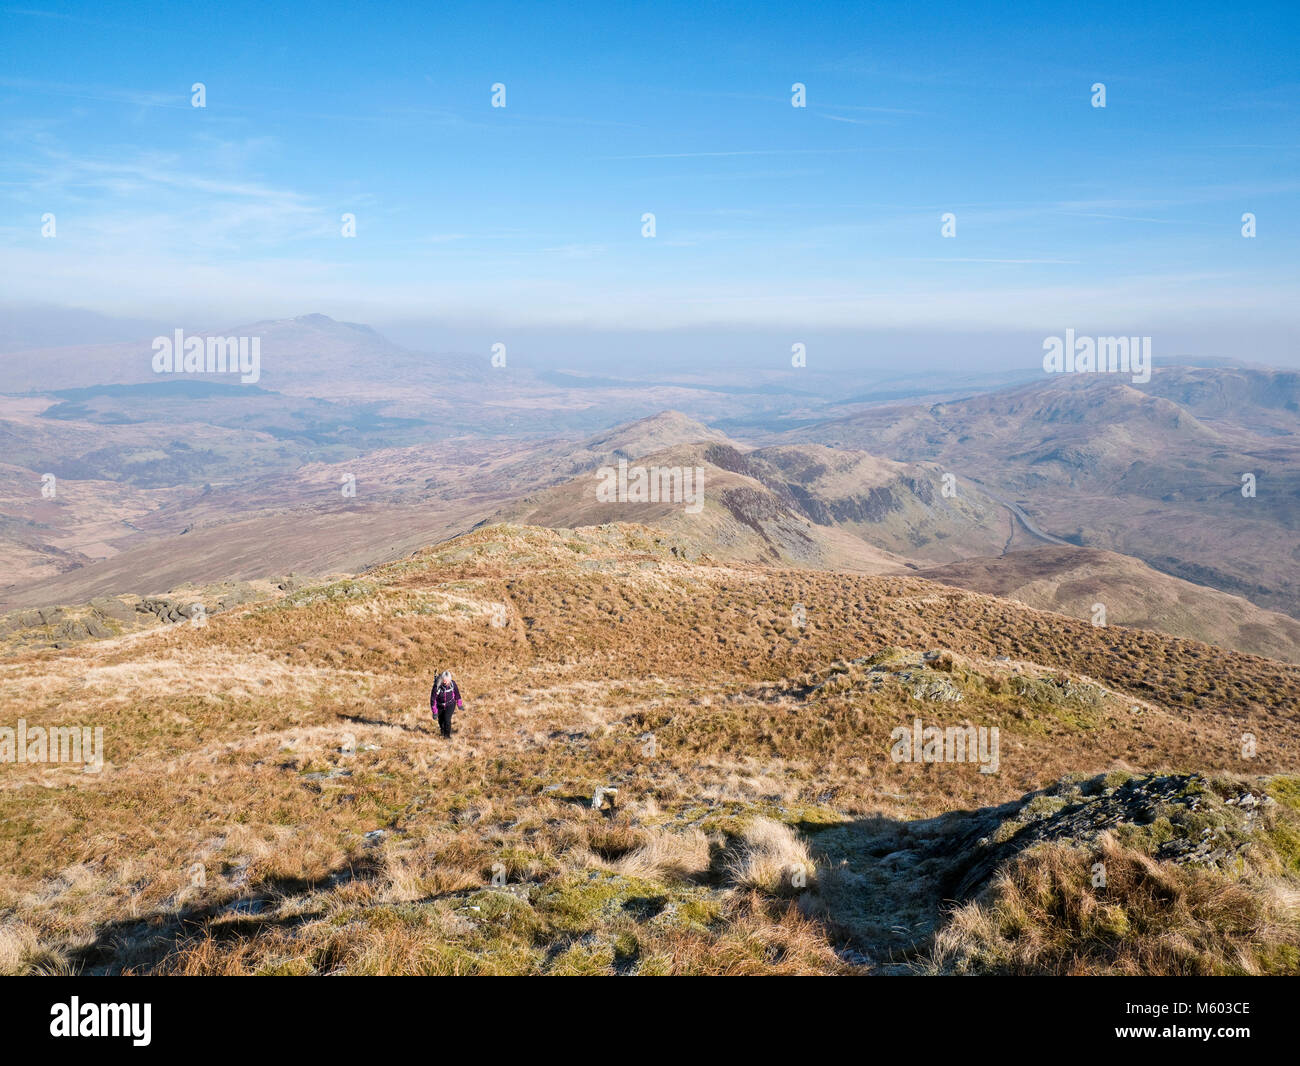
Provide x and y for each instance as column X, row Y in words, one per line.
column 738, row 152
column 972, row 259
column 134, row 97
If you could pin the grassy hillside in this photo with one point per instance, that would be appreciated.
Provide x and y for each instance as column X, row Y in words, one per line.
column 275, row 799
column 1127, row 468
column 792, row 506
column 1073, row 580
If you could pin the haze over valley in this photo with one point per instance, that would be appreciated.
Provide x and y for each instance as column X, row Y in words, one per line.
column 599, row 490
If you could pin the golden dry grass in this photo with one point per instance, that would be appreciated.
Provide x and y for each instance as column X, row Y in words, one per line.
column 276, row 799
column 1044, row 915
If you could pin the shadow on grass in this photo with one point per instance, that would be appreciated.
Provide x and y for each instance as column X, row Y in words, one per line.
column 141, row 945
column 885, row 884
column 429, row 728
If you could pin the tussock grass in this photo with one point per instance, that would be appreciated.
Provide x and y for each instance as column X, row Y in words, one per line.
column 769, row 856
column 1044, row 914
column 287, row 753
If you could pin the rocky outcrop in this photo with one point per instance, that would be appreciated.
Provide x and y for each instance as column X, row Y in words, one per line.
column 1179, row 818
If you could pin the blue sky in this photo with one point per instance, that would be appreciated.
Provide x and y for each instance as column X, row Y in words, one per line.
column 768, row 216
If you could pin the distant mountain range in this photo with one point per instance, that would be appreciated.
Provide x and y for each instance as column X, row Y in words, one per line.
column 1197, row 473
column 351, row 451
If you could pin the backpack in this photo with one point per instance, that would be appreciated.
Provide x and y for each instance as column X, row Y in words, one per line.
column 439, row 687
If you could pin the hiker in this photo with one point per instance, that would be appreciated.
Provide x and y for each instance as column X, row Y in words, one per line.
column 443, row 700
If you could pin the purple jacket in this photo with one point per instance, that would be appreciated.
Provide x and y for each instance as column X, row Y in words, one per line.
column 444, row 698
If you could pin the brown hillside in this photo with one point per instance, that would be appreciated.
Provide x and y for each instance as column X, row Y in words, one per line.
column 1072, row 580
column 1108, row 464
column 273, row 799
